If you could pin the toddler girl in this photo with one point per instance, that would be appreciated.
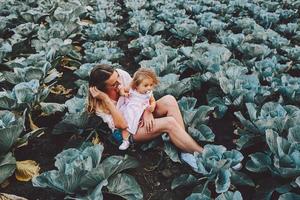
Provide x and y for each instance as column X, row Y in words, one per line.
column 135, row 100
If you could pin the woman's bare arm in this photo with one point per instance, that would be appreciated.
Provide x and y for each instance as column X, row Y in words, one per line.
column 118, row 118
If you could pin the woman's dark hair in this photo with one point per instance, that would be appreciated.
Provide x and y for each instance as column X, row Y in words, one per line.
column 99, row 74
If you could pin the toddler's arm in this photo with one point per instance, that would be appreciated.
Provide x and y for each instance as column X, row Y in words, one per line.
column 152, row 104
column 123, row 91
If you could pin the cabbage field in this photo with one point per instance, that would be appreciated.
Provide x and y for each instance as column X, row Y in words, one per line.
column 233, row 66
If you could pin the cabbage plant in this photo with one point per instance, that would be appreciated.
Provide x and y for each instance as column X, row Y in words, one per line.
column 102, row 50
column 204, row 55
column 84, row 70
column 33, row 67
column 271, row 115
column 146, row 44
column 185, row 28
column 56, row 47
column 196, row 119
column 288, row 87
column 76, row 118
column 143, row 22
column 105, row 11
column 11, row 128
column 215, row 166
column 81, row 171
column 240, row 87
column 170, row 84
column 208, row 20
column 24, row 95
column 102, row 31
column 282, row 160
column 5, row 48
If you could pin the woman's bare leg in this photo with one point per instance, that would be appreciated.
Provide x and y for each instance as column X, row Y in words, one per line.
column 168, row 106
column 179, row 137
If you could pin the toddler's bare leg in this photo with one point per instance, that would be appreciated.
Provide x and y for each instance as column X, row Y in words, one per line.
column 125, row 134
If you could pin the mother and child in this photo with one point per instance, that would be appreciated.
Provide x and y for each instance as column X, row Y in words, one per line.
column 127, row 104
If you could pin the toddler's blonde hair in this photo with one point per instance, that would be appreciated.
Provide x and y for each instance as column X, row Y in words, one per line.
column 142, row 74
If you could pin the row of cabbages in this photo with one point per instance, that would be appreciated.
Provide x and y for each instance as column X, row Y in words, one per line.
column 30, row 54
column 91, row 176
column 36, row 39
column 243, row 50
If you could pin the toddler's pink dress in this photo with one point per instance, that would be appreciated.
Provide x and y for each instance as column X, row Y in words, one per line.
column 132, row 108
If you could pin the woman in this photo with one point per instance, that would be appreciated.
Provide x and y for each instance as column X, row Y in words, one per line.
column 104, row 93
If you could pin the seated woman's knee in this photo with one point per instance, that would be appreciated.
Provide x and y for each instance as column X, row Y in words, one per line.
column 171, row 122
column 170, row 100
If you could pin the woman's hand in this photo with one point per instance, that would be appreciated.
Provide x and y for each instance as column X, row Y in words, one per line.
column 148, row 121
column 98, row 94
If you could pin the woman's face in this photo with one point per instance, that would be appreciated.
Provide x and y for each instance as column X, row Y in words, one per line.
column 113, row 82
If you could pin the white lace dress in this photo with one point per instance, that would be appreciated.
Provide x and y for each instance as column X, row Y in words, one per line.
column 132, row 108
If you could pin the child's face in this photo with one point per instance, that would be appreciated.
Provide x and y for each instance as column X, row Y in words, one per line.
column 145, row 86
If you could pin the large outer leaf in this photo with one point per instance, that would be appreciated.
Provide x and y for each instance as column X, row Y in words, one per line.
column 202, row 133
column 230, row 196
column 239, row 178
column 84, row 70
column 25, row 92
column 59, row 181
column 297, row 181
column 202, row 115
column 187, row 105
column 72, row 165
column 259, row 162
column 289, row 196
column 110, row 166
column 223, row 181
column 183, row 180
column 75, row 105
column 4, row 196
column 125, row 186
column 33, row 73
column 7, row 166
column 179, row 88
column 198, row 196
column 71, row 123
column 158, row 64
column 200, row 189
column 6, row 102
column 116, row 164
column 13, row 77
column 294, row 134
column 233, row 155
column 271, row 138
column 9, row 135
column 95, row 194
column 26, row 169
column 51, row 108
column 170, row 149
column 247, row 123
column 213, row 151
column 252, row 111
